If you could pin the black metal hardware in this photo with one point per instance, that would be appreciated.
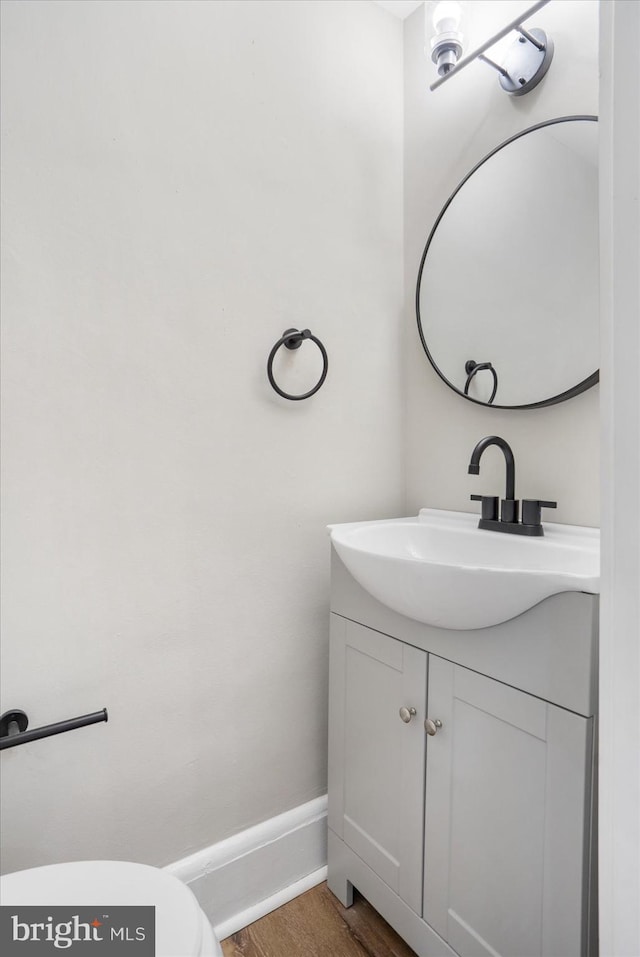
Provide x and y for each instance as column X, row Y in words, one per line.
column 489, row 506
column 474, row 463
column 509, row 510
column 513, row 528
column 531, row 510
column 471, row 367
column 292, row 339
column 12, row 720
column 509, row 506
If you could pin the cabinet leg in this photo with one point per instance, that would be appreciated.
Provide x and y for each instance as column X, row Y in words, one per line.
column 341, row 888
column 337, row 870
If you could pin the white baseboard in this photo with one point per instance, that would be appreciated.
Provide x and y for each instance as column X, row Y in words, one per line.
column 248, row 916
column 252, row 873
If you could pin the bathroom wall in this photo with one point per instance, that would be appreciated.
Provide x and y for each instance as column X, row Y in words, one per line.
column 446, row 133
column 619, row 691
column 182, row 182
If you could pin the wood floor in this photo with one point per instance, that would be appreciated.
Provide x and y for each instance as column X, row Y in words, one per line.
column 317, row 925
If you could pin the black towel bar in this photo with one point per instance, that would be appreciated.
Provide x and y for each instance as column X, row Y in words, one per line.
column 10, row 720
column 471, row 367
column 293, row 339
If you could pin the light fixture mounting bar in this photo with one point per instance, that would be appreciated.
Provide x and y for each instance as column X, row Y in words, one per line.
column 530, row 37
column 510, row 27
column 496, row 66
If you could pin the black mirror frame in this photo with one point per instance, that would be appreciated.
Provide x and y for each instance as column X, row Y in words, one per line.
column 587, row 383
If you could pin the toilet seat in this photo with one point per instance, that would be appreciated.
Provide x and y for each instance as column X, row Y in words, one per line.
column 181, row 927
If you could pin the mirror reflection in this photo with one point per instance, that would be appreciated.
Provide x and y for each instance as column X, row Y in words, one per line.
column 507, row 295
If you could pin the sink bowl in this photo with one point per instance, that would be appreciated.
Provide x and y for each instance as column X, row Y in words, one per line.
column 441, row 569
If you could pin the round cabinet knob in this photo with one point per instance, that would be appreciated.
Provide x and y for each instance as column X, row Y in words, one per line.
column 407, row 714
column 432, row 727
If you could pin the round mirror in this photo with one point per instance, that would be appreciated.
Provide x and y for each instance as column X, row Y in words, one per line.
column 507, row 295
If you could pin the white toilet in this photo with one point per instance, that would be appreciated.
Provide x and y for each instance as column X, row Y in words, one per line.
column 182, row 929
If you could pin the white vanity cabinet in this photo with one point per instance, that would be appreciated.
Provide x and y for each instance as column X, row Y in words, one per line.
column 507, row 799
column 377, row 794
column 475, row 840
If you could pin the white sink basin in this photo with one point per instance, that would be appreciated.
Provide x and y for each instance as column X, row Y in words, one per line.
column 441, row 569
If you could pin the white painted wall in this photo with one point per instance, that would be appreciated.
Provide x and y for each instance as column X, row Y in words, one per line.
column 446, row 133
column 619, row 771
column 182, row 182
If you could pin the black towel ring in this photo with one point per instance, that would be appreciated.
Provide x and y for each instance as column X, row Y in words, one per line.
column 471, row 367
column 292, row 339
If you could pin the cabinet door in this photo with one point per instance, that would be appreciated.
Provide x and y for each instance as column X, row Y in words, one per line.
column 506, row 819
column 376, row 763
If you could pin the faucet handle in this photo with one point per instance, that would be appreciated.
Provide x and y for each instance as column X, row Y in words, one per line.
column 531, row 510
column 489, row 506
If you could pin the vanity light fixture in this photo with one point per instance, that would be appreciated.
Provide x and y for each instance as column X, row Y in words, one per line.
column 526, row 61
column 443, row 22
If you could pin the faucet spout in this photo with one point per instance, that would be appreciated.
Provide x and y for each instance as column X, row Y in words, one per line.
column 474, row 463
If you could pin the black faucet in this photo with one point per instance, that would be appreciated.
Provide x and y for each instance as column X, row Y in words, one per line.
column 509, row 511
